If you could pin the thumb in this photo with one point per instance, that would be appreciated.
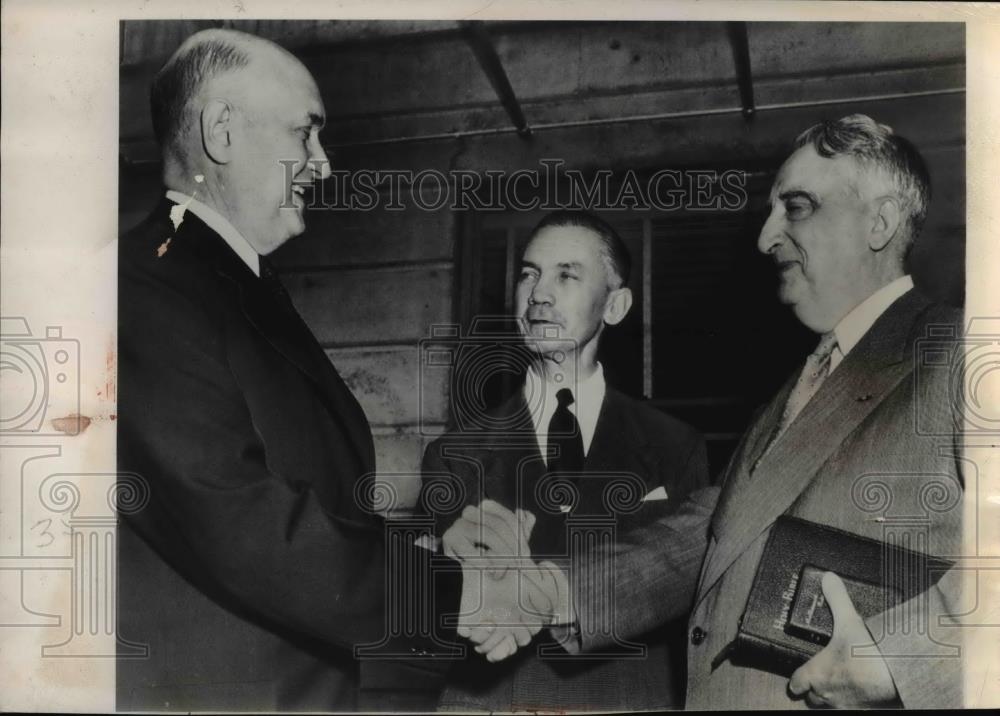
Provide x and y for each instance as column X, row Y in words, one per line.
column 845, row 616
column 527, row 520
column 537, row 597
column 559, row 593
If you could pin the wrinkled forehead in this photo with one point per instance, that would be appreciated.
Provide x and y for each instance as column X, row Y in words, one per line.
column 807, row 172
column 556, row 245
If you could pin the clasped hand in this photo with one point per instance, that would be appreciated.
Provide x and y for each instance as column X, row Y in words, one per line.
column 506, row 597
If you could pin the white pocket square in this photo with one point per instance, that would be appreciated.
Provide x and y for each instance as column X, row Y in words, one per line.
column 660, row 493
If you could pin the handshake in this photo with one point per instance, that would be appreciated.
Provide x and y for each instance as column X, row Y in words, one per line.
column 506, row 597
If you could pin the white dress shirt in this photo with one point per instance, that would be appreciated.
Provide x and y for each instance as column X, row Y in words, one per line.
column 856, row 323
column 218, row 223
column 588, row 396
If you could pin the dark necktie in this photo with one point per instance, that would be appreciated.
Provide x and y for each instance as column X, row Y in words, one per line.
column 565, row 462
column 565, row 437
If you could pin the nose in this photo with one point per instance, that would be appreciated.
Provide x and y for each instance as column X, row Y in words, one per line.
column 771, row 233
column 319, row 164
column 541, row 291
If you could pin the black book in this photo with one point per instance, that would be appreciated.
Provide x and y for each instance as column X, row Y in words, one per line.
column 787, row 620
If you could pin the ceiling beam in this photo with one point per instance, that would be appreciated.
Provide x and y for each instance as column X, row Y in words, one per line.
column 482, row 47
column 740, row 45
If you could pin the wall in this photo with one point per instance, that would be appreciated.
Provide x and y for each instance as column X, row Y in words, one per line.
column 371, row 284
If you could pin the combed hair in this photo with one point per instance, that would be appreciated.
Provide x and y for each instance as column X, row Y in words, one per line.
column 613, row 249
column 878, row 146
column 183, row 76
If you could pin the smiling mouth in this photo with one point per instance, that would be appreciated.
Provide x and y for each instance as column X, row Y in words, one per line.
column 299, row 191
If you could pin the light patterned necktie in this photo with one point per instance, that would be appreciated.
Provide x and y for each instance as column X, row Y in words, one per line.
column 813, row 374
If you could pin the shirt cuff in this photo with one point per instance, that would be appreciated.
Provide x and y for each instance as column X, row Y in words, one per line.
column 428, row 542
column 567, row 636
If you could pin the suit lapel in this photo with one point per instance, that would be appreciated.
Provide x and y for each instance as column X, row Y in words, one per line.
column 769, row 421
column 754, row 498
column 743, row 462
column 514, row 462
column 283, row 329
column 618, row 449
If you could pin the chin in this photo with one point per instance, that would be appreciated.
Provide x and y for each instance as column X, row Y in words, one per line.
column 538, row 345
column 274, row 244
column 561, row 352
column 813, row 317
column 790, row 291
column 297, row 228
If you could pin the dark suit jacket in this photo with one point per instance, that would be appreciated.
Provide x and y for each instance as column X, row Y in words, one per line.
column 634, row 450
column 873, row 453
column 253, row 569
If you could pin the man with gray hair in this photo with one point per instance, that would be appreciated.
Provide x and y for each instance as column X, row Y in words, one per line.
column 255, row 567
column 846, row 207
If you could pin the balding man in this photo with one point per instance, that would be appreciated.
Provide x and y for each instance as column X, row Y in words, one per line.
column 253, row 570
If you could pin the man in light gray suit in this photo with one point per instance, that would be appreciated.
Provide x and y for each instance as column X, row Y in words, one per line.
column 861, row 439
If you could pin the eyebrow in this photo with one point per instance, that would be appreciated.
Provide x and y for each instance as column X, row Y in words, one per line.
column 798, row 194
column 574, row 265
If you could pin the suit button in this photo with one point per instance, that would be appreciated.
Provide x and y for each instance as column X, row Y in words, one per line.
column 698, row 636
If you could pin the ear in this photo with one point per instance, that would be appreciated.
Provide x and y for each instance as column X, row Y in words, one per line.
column 616, row 306
column 886, row 224
column 216, row 130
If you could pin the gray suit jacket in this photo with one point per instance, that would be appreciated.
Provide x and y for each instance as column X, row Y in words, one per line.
column 873, row 453
column 634, row 447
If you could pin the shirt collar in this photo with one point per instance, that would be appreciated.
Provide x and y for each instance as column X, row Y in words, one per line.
column 220, row 225
column 589, row 391
column 855, row 324
column 588, row 397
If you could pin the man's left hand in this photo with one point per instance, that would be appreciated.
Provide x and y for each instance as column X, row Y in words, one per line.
column 834, row 677
column 497, row 614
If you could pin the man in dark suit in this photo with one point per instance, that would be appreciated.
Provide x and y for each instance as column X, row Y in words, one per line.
column 256, row 566
column 560, row 447
column 861, row 439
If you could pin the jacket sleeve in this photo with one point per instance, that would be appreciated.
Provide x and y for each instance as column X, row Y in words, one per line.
column 927, row 663
column 647, row 575
column 449, row 483
column 259, row 542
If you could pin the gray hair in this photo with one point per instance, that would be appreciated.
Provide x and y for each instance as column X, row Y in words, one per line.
column 876, row 146
column 613, row 250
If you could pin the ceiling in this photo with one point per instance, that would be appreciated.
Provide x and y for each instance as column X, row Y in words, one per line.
column 388, row 84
